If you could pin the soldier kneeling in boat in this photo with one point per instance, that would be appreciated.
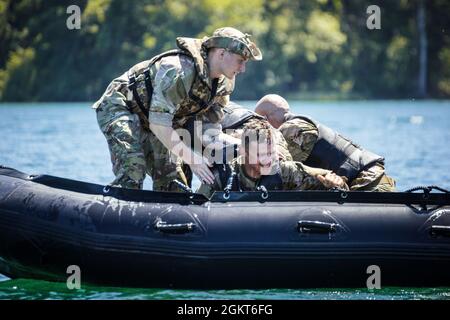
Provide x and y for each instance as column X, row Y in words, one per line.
column 258, row 166
column 316, row 145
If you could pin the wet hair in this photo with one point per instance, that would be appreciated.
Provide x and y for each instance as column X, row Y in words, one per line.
column 256, row 130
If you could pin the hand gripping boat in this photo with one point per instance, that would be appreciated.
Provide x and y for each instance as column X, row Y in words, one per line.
column 123, row 237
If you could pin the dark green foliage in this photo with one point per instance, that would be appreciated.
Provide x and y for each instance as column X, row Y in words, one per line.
column 311, row 49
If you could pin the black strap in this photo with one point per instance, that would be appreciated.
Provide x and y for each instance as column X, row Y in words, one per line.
column 199, row 101
column 149, row 88
column 215, row 85
column 132, row 87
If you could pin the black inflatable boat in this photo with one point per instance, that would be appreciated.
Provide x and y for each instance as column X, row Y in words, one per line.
column 123, row 237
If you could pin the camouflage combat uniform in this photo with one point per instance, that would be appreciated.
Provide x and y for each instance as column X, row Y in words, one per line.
column 301, row 137
column 181, row 88
column 294, row 176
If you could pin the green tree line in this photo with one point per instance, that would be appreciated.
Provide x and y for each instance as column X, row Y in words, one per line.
column 311, row 49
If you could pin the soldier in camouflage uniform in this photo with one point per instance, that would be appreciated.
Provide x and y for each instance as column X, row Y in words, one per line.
column 258, row 166
column 316, row 145
column 140, row 110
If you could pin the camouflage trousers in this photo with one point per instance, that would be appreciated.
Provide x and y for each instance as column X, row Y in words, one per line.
column 134, row 151
column 373, row 179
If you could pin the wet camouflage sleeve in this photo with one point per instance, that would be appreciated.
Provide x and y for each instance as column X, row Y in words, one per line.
column 373, row 178
column 172, row 81
column 296, row 176
column 300, row 136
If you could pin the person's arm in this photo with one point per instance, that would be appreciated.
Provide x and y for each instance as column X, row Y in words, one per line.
column 327, row 178
column 297, row 176
column 301, row 136
column 282, row 146
column 208, row 189
column 332, row 180
column 172, row 83
column 171, row 140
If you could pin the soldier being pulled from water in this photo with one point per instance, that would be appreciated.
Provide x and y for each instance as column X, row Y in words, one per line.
column 258, row 166
column 140, row 110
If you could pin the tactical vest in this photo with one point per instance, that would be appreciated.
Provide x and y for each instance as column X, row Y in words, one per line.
column 337, row 153
column 230, row 179
column 235, row 115
column 200, row 94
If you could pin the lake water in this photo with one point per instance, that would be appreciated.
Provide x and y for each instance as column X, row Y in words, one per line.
column 63, row 139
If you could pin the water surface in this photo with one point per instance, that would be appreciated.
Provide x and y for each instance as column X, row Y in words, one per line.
column 64, row 140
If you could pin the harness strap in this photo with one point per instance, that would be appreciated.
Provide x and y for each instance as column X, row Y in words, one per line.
column 149, row 88
column 132, row 83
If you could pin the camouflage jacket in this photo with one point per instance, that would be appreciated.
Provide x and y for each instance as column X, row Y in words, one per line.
column 181, row 85
column 301, row 136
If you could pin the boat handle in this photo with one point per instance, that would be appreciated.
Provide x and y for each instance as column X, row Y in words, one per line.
column 176, row 228
column 440, row 231
column 306, row 226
